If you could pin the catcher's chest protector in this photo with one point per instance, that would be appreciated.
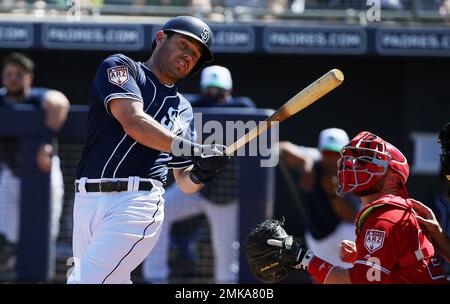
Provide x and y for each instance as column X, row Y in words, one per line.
column 425, row 249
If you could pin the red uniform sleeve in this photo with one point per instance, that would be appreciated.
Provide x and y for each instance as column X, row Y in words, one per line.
column 377, row 248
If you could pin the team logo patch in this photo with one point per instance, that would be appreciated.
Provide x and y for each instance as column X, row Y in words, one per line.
column 118, row 75
column 205, row 35
column 374, row 240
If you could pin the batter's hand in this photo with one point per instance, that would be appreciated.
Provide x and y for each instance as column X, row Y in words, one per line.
column 347, row 252
column 207, row 160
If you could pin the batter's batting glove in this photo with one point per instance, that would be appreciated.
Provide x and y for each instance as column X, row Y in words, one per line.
column 207, row 159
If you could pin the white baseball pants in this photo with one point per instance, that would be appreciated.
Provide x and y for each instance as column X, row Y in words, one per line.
column 113, row 233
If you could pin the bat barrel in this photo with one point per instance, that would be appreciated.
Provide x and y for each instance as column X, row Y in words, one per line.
column 301, row 100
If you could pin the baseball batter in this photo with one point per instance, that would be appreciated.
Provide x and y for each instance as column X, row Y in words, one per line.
column 139, row 127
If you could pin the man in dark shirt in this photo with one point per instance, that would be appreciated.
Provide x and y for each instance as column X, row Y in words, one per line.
column 17, row 79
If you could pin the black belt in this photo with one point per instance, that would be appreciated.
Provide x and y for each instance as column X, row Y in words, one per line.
column 109, row 186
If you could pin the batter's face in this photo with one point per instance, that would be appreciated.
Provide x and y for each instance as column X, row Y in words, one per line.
column 178, row 55
column 15, row 79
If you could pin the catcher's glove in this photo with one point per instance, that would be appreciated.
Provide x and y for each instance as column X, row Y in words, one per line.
column 271, row 252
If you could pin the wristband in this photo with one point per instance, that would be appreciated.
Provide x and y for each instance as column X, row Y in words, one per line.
column 194, row 179
column 319, row 269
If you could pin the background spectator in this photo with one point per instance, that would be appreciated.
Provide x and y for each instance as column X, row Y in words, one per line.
column 17, row 78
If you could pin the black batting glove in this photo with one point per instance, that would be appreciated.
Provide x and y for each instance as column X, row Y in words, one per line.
column 208, row 164
column 207, row 159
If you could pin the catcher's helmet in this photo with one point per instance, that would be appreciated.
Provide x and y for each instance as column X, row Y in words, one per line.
column 194, row 28
column 366, row 159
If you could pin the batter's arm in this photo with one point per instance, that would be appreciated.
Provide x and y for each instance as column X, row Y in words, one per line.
column 184, row 182
column 139, row 125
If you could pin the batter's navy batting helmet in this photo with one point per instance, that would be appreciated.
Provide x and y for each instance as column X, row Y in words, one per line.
column 194, row 28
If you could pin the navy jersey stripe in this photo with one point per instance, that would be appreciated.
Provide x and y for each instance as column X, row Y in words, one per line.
column 106, row 164
column 118, row 165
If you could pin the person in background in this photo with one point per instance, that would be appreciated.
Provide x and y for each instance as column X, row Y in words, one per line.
column 17, row 78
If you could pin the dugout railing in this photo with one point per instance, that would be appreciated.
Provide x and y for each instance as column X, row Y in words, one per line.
column 39, row 261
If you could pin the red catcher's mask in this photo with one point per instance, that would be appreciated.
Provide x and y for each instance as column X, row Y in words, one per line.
column 366, row 159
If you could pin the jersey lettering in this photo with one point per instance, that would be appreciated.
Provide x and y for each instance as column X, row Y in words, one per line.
column 172, row 122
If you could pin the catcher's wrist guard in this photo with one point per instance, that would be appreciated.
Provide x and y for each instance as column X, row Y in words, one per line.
column 319, row 269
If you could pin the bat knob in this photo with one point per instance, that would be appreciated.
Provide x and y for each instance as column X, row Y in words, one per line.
column 338, row 74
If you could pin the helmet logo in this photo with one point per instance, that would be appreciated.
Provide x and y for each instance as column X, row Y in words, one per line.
column 205, row 35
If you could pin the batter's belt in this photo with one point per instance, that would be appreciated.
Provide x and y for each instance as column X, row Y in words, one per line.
column 114, row 186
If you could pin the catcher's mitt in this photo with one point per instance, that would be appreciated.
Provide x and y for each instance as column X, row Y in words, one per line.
column 271, row 252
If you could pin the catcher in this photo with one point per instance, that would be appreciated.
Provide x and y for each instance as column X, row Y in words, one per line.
column 390, row 246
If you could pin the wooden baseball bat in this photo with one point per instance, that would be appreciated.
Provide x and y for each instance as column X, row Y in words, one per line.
column 301, row 100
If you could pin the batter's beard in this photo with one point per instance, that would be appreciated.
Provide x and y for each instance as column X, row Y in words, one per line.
column 175, row 73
